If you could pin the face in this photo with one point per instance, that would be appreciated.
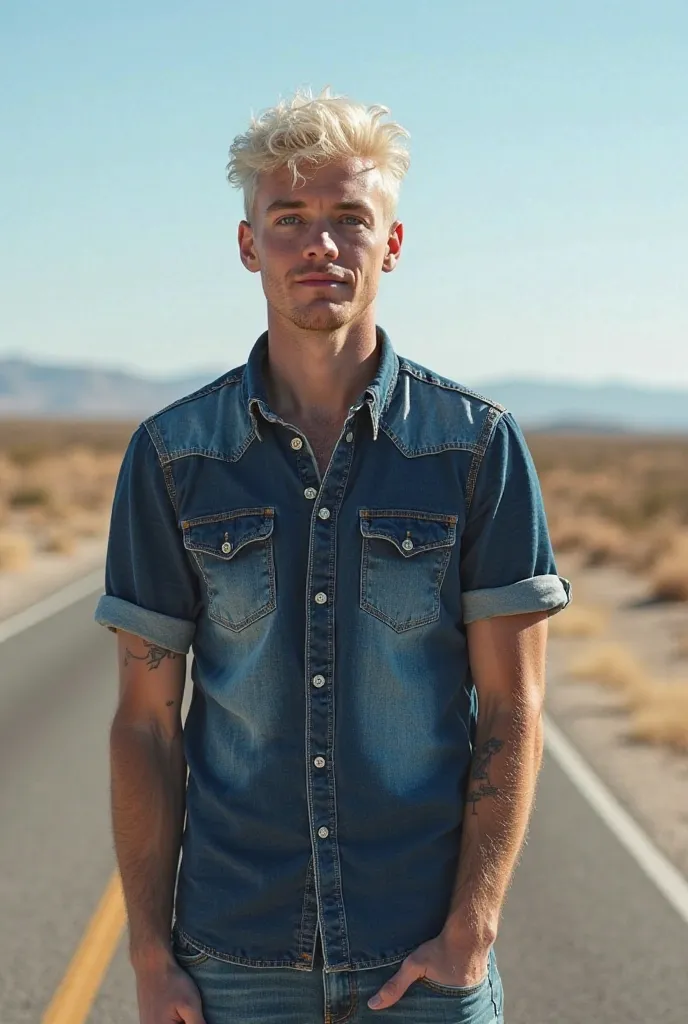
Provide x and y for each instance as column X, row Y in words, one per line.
column 321, row 246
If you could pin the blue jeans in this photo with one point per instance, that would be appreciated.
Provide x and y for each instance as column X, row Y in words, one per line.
column 233, row 994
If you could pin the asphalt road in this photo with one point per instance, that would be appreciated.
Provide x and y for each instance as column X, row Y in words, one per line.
column 586, row 937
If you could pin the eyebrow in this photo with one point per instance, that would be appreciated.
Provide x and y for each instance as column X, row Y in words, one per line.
column 299, row 204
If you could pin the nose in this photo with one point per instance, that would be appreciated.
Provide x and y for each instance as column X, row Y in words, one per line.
column 321, row 246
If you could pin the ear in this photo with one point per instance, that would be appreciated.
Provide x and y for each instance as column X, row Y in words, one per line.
column 247, row 248
column 393, row 250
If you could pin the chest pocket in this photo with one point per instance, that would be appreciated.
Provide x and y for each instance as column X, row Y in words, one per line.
column 403, row 564
column 234, row 552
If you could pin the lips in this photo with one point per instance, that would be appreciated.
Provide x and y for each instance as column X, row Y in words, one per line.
column 321, row 279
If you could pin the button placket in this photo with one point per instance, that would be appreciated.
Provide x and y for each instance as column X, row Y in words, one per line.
column 320, row 695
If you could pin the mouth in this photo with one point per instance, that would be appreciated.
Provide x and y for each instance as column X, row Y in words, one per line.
column 322, row 281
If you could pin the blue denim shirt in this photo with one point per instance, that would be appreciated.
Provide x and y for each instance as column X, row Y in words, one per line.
column 330, row 732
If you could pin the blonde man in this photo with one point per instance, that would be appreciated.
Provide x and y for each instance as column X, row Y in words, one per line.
column 356, row 551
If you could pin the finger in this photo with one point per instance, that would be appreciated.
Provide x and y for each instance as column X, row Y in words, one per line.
column 191, row 1013
column 393, row 990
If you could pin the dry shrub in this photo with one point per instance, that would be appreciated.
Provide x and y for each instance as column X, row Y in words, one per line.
column 681, row 645
column 669, row 576
column 599, row 540
column 90, row 524
column 652, row 543
column 57, row 481
column 59, row 542
column 663, row 721
column 659, row 710
column 579, row 621
column 615, row 667
column 30, row 497
column 15, row 551
column 614, row 499
column 604, row 542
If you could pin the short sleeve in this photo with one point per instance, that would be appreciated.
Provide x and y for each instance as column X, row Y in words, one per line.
column 150, row 587
column 507, row 562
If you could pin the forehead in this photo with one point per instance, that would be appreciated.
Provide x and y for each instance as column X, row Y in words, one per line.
column 347, row 180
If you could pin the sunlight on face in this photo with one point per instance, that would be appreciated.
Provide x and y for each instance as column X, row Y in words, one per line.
column 321, row 245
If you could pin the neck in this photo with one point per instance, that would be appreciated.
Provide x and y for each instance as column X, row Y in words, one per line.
column 317, row 375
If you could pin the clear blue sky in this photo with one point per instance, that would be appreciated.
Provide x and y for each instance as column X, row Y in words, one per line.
column 546, row 210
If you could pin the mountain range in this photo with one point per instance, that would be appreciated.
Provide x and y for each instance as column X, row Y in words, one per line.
column 39, row 390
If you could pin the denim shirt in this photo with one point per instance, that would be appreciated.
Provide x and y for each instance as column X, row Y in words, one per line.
column 333, row 715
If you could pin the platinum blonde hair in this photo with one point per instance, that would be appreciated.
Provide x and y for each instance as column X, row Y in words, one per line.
column 316, row 130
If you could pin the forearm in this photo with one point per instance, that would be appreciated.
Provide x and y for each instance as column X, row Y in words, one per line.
column 148, row 789
column 499, row 799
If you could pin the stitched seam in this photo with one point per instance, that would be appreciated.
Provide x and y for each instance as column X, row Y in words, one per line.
column 486, row 436
column 304, row 911
column 391, row 389
column 462, row 446
column 230, row 958
column 233, row 377
column 353, row 1004
column 183, row 453
column 220, row 517
column 402, row 627
column 448, row 385
column 164, row 463
column 265, row 609
column 389, row 513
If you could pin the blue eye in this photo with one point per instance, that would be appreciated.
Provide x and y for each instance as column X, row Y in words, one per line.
column 289, row 217
column 357, row 220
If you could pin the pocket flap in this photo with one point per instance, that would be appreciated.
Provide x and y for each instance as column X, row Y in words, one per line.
column 410, row 532
column 224, row 534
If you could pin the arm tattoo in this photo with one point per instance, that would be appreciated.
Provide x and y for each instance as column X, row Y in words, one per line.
column 479, row 773
column 153, row 656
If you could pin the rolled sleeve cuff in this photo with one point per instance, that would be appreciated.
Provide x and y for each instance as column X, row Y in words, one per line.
column 164, row 630
column 537, row 594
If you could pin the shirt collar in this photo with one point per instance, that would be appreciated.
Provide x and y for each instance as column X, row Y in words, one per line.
column 376, row 396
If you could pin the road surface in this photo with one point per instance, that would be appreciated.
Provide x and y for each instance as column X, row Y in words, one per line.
column 586, row 936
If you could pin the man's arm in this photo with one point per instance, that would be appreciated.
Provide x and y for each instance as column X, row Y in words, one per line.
column 148, row 780
column 507, row 657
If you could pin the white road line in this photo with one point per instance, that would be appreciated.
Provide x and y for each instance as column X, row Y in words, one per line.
column 658, row 869
column 53, row 604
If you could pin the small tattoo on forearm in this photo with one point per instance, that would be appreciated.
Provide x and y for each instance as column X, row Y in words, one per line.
column 170, row 703
column 479, row 772
column 153, row 657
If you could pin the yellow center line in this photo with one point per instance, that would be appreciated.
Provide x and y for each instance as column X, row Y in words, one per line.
column 79, row 987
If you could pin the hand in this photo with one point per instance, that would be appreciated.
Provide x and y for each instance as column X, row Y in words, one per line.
column 167, row 995
column 438, row 960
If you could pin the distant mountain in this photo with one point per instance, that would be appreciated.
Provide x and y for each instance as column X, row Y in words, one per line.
column 609, row 407
column 33, row 389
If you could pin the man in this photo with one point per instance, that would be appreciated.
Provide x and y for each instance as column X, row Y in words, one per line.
column 356, row 550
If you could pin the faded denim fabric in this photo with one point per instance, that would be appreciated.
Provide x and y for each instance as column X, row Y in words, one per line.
column 330, row 733
column 231, row 992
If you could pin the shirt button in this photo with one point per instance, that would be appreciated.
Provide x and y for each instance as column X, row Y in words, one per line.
column 321, row 598
column 349, row 437
column 310, row 493
column 323, row 832
column 318, row 681
column 407, row 544
column 296, row 443
column 226, row 547
column 319, row 762
column 324, row 513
